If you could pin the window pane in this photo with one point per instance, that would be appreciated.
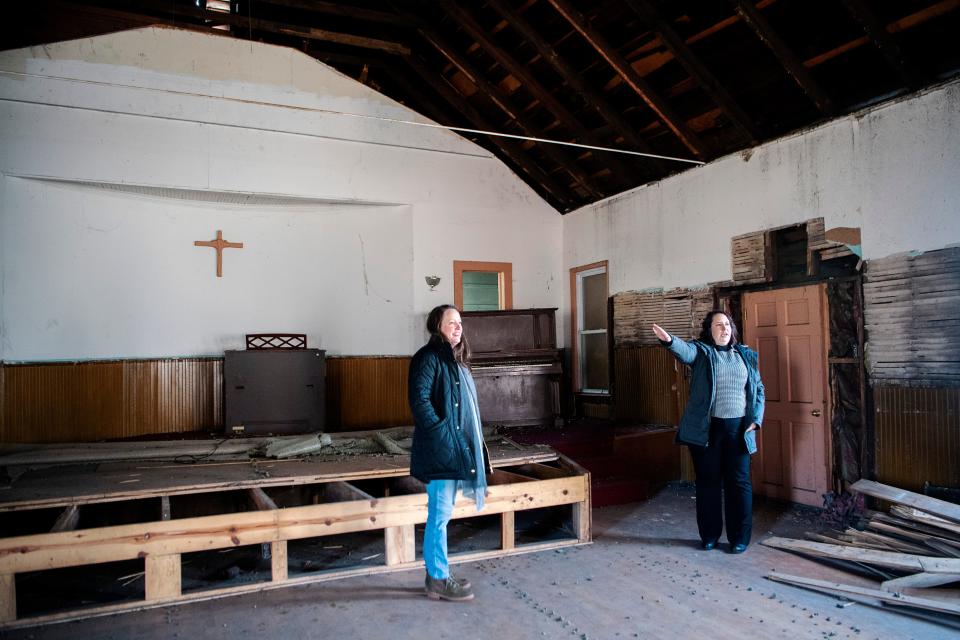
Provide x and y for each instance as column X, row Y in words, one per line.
column 595, row 301
column 595, row 374
column 481, row 291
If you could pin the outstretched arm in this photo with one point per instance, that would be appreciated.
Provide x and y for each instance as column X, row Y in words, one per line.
column 681, row 350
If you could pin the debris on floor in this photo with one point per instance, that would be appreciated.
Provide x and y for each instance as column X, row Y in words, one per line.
column 914, row 546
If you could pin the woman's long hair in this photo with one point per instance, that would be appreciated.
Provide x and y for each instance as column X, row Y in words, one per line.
column 707, row 336
column 461, row 352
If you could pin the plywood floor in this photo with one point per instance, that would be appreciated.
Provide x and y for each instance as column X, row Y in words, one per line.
column 642, row 578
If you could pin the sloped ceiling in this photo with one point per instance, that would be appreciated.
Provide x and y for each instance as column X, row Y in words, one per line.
column 685, row 79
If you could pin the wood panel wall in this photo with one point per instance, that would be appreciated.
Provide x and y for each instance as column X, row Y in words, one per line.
column 917, row 436
column 645, row 385
column 911, row 305
column 367, row 393
column 87, row 401
column 105, row 400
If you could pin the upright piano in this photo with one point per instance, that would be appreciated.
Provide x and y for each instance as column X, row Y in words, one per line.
column 516, row 365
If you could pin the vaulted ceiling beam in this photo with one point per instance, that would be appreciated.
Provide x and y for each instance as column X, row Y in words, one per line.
column 338, row 9
column 245, row 22
column 691, row 62
column 664, row 112
column 563, row 158
column 883, row 39
column 794, row 66
column 576, row 81
column 511, row 149
column 531, row 84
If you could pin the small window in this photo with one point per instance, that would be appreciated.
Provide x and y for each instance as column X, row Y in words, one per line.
column 482, row 286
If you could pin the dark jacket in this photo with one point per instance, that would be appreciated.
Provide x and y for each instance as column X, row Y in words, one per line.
column 702, row 358
column 440, row 447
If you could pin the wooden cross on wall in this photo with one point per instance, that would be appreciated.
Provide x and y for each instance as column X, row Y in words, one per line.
column 219, row 244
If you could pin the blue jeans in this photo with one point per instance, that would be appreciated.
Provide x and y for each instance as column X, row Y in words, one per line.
column 441, row 495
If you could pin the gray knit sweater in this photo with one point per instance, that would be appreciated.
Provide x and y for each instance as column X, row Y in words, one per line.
column 731, row 398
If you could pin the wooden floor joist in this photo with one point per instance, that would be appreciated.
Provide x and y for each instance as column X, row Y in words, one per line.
column 536, row 478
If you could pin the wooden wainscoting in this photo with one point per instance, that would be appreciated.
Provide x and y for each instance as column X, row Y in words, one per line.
column 105, row 400
column 367, row 392
column 99, row 400
column 646, row 385
column 918, row 436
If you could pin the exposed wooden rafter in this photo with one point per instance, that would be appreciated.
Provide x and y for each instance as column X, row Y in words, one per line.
column 610, row 113
column 246, row 22
column 664, row 112
column 531, row 84
column 695, row 67
column 563, row 158
column 337, row 9
column 511, row 149
column 882, row 38
column 751, row 16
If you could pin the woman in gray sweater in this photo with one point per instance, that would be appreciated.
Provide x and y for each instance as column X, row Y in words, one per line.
column 723, row 412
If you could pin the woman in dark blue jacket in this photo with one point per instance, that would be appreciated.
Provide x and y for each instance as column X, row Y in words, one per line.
column 448, row 452
column 719, row 426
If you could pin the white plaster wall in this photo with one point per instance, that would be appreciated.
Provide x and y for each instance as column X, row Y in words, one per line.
column 271, row 140
column 893, row 171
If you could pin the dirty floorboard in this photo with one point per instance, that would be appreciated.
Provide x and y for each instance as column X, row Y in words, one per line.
column 643, row 577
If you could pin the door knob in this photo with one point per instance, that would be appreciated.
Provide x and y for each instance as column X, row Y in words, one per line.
column 815, row 413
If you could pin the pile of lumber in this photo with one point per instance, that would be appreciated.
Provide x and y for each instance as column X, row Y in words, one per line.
column 916, row 545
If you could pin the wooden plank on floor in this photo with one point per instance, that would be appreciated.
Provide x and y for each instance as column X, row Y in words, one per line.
column 892, row 560
column 939, row 508
column 925, row 518
column 836, row 588
column 162, row 576
column 919, row 580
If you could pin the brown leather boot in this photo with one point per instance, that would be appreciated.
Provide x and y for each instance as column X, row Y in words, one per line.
column 447, row 589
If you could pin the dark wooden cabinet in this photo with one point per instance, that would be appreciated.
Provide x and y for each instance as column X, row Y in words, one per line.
column 274, row 391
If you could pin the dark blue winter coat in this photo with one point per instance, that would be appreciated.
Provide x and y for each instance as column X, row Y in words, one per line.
column 702, row 358
column 440, row 448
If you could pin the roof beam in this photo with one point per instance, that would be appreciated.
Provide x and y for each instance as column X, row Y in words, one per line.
column 337, row 9
column 511, row 149
column 576, row 81
column 882, row 38
column 691, row 62
column 794, row 66
column 530, row 83
column 563, row 158
column 664, row 112
column 246, row 22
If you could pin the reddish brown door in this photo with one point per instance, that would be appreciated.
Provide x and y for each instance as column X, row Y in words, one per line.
column 786, row 328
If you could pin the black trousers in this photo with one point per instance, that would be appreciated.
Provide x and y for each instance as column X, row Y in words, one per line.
column 723, row 483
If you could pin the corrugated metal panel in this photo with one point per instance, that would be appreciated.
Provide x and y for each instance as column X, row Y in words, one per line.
column 77, row 402
column 918, row 436
column 367, row 393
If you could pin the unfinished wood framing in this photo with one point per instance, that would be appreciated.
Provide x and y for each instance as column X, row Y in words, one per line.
column 524, row 479
column 912, row 330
